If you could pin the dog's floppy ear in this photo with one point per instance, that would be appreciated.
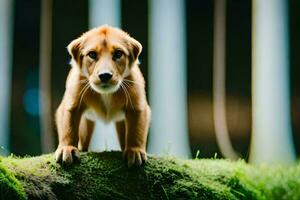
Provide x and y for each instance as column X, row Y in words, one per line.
column 74, row 49
column 135, row 48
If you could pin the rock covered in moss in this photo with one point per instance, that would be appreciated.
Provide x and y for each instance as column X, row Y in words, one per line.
column 10, row 188
column 106, row 176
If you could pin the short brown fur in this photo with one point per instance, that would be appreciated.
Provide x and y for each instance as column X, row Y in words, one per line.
column 86, row 95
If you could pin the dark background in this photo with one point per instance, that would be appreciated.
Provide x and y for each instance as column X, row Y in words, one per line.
column 70, row 20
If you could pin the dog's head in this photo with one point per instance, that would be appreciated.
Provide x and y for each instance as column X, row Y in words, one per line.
column 105, row 56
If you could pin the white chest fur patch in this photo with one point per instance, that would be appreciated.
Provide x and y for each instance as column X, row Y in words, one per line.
column 90, row 114
column 109, row 115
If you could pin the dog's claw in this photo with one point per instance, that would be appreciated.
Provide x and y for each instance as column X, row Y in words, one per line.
column 66, row 155
column 135, row 156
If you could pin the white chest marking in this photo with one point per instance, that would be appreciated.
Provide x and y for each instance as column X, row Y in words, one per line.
column 108, row 115
column 92, row 115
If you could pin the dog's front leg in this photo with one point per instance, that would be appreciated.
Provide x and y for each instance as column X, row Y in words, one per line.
column 137, row 125
column 67, row 121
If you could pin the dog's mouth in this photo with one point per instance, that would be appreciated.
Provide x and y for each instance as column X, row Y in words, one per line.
column 105, row 88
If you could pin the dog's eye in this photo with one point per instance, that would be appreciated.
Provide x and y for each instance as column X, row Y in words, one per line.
column 117, row 54
column 92, row 55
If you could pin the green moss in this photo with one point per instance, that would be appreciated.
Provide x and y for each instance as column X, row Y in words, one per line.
column 106, row 176
column 10, row 188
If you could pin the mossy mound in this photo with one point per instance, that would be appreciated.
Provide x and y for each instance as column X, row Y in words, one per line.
column 106, row 176
column 10, row 188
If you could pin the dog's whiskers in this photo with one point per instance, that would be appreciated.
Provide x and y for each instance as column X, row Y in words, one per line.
column 131, row 81
column 83, row 91
column 83, row 81
column 122, row 87
column 83, row 88
column 127, row 94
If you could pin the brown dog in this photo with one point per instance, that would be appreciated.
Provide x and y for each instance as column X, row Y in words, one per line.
column 105, row 82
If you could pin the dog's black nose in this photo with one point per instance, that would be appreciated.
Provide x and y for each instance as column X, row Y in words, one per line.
column 105, row 77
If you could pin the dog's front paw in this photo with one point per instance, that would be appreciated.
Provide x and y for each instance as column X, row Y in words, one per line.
column 135, row 156
column 66, row 155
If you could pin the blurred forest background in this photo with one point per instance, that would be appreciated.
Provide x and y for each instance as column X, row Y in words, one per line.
column 71, row 18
